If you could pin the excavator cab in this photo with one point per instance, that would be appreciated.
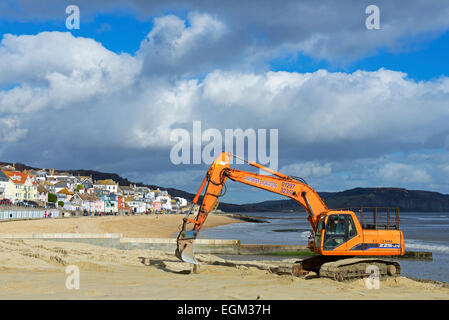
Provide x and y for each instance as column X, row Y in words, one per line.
column 333, row 232
column 341, row 233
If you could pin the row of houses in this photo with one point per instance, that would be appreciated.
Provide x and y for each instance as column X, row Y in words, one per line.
column 82, row 193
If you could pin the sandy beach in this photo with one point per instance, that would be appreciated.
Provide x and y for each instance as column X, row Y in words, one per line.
column 36, row 269
column 139, row 226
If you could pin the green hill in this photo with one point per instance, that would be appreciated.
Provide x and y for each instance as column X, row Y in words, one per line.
column 405, row 200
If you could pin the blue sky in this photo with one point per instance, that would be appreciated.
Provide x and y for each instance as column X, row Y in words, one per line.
column 354, row 107
column 422, row 58
column 118, row 32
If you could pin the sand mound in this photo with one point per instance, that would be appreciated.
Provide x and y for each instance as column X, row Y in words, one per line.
column 36, row 269
column 42, row 255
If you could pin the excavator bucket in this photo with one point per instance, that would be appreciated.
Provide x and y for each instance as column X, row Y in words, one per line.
column 184, row 242
column 184, row 251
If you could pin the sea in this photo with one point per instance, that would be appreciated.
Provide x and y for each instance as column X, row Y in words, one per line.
column 423, row 231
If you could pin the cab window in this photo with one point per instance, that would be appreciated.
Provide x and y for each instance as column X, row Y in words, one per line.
column 352, row 231
column 318, row 233
column 339, row 229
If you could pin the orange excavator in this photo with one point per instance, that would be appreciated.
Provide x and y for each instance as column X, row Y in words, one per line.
column 344, row 247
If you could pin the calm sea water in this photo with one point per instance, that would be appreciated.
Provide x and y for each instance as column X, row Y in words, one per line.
column 423, row 231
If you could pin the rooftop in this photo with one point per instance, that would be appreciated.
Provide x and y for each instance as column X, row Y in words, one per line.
column 106, row 182
column 16, row 176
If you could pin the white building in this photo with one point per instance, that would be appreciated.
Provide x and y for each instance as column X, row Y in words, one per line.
column 107, row 185
column 41, row 176
column 20, row 187
column 88, row 201
column 181, row 201
column 165, row 202
column 150, row 195
column 137, row 206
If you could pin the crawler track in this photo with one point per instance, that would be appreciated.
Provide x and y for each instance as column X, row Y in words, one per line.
column 344, row 268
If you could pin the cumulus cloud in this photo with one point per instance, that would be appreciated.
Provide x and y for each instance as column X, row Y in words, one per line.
column 10, row 130
column 308, row 169
column 403, row 173
column 56, row 70
column 100, row 89
column 49, row 53
column 323, row 107
column 72, row 98
column 173, row 47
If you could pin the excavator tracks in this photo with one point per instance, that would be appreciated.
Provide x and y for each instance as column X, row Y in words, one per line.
column 343, row 269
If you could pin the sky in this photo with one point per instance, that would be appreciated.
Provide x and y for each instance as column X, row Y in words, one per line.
column 353, row 106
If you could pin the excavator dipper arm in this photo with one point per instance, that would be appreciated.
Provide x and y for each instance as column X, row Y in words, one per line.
column 215, row 179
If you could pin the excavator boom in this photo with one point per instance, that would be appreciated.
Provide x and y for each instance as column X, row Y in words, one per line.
column 215, row 179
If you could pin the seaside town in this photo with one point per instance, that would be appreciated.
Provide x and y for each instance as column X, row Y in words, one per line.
column 224, row 159
column 82, row 195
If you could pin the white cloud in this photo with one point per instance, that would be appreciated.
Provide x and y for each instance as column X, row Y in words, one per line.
column 172, row 46
column 56, row 69
column 10, row 130
column 67, row 93
column 328, row 107
column 308, row 169
column 62, row 53
column 308, row 108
